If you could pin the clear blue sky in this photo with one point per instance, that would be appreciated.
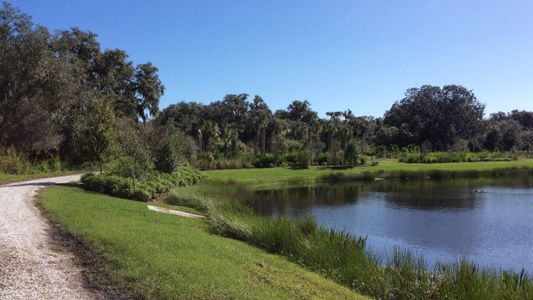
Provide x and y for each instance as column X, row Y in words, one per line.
column 361, row 55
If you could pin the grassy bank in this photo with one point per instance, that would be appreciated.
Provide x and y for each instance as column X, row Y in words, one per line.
column 275, row 177
column 346, row 259
column 342, row 257
column 157, row 256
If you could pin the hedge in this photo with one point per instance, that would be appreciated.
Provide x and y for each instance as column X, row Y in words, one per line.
column 149, row 187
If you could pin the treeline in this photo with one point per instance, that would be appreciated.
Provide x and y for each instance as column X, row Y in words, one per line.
column 428, row 119
column 62, row 96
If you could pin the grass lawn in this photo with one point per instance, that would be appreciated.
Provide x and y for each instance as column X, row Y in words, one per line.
column 158, row 256
column 271, row 177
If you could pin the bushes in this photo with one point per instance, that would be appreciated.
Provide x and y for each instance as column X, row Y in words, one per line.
column 267, row 160
column 153, row 184
column 300, row 159
column 457, row 156
column 166, row 159
column 210, row 162
column 14, row 163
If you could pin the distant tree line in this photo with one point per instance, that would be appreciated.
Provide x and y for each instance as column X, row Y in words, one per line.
column 61, row 95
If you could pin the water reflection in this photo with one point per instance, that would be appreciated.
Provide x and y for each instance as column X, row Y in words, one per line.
column 488, row 220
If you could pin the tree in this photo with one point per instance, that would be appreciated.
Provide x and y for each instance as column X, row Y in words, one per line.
column 37, row 88
column 148, row 90
column 95, row 137
column 260, row 117
column 351, row 155
column 112, row 75
column 166, row 159
column 438, row 115
column 80, row 47
column 300, row 111
column 133, row 157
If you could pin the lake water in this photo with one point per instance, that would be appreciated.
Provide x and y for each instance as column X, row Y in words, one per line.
column 487, row 220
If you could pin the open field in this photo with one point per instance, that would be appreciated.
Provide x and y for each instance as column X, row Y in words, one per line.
column 272, row 177
column 154, row 255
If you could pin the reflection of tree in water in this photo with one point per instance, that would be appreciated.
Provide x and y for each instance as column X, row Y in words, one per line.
column 430, row 195
column 417, row 194
column 445, row 194
column 284, row 201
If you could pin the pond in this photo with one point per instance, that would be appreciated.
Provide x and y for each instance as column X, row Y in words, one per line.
column 486, row 220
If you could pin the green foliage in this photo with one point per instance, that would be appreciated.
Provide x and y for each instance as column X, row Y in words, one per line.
column 149, row 255
column 436, row 115
column 132, row 157
column 267, row 160
column 322, row 159
column 351, row 155
column 300, row 160
column 37, row 86
column 153, row 184
column 15, row 163
column 457, row 156
column 95, row 138
column 208, row 161
column 166, row 159
column 148, row 89
column 336, row 158
column 63, row 88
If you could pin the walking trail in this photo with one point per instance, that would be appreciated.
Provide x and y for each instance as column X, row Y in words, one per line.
column 32, row 264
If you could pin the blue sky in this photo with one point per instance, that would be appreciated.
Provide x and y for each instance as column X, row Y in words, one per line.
column 361, row 55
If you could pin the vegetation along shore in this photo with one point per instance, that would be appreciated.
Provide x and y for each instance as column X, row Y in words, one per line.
column 69, row 104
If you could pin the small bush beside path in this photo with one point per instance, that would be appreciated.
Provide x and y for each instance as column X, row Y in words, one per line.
column 153, row 184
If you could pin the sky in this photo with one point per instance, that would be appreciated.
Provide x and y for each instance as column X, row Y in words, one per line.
column 358, row 55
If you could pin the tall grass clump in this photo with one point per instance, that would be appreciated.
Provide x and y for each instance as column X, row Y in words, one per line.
column 12, row 162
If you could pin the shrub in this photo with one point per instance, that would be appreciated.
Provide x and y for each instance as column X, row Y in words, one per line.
column 336, row 158
column 166, row 159
column 153, row 184
column 322, row 158
column 267, row 160
column 210, row 162
column 300, row 159
column 13, row 163
column 351, row 155
column 457, row 156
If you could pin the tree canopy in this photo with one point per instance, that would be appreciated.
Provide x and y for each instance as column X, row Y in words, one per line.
column 62, row 95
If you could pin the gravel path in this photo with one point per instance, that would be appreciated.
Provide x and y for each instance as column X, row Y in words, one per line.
column 32, row 265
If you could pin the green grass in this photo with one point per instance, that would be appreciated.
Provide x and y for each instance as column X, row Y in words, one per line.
column 10, row 178
column 277, row 177
column 158, row 256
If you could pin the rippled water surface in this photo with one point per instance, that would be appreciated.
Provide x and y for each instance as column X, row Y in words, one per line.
column 489, row 221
